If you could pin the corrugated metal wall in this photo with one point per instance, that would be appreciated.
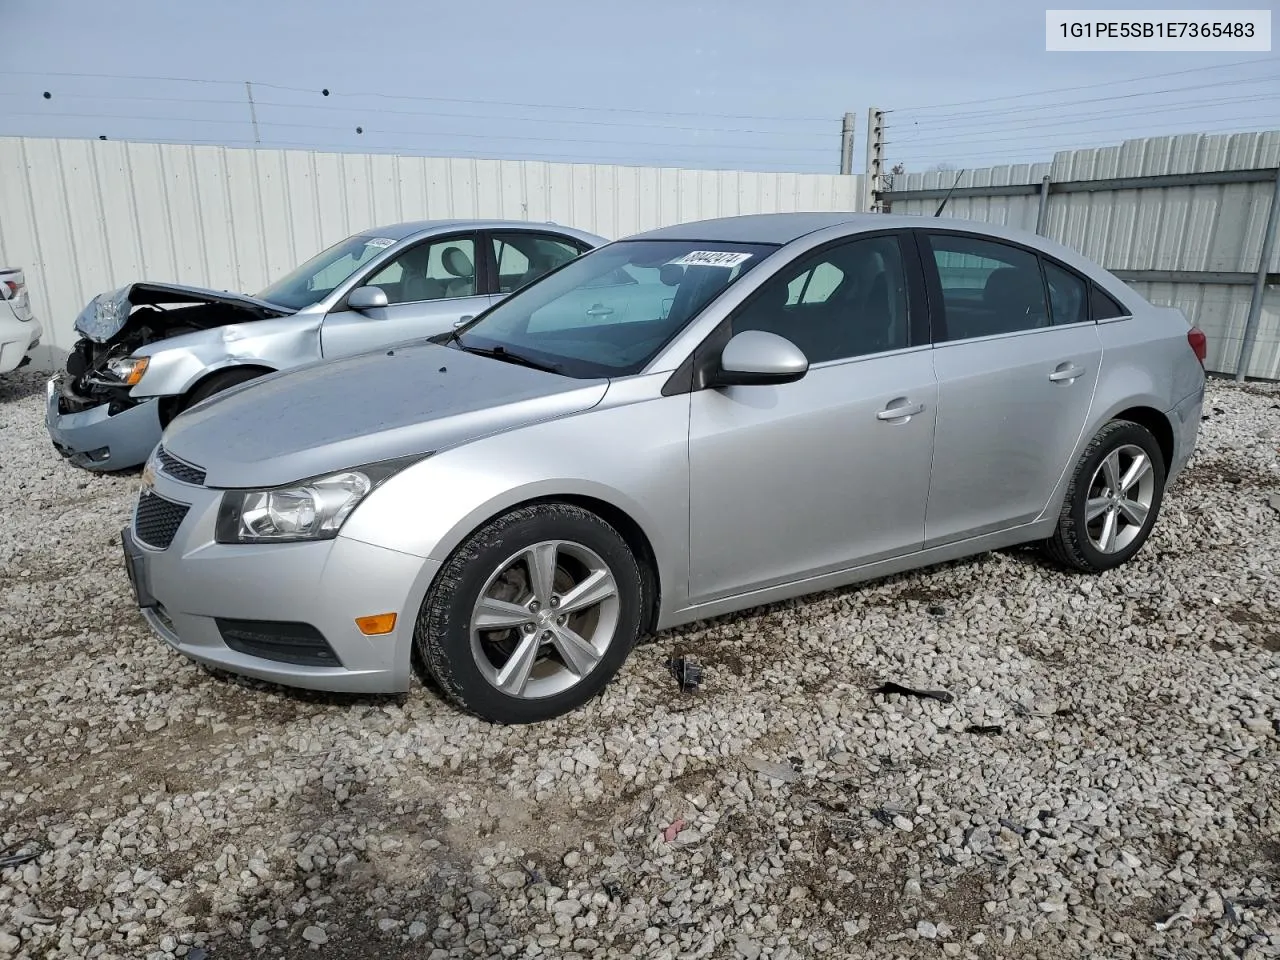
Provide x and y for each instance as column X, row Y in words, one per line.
column 1218, row 227
column 84, row 216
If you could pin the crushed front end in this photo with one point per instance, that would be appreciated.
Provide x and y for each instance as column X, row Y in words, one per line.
column 93, row 417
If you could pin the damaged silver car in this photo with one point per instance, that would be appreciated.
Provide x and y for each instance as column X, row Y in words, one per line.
column 149, row 351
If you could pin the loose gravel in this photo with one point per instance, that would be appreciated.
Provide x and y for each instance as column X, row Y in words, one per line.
column 1101, row 780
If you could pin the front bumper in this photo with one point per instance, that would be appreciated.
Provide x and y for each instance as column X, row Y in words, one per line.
column 17, row 339
column 96, row 440
column 191, row 587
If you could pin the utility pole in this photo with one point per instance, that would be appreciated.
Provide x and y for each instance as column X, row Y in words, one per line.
column 846, row 145
column 875, row 159
column 253, row 111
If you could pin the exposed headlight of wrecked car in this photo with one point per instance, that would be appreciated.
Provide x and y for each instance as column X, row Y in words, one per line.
column 310, row 510
column 128, row 370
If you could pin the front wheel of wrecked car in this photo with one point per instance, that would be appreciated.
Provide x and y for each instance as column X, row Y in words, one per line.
column 532, row 615
column 210, row 386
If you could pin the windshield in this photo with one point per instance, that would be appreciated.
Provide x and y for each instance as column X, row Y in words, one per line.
column 609, row 312
column 315, row 279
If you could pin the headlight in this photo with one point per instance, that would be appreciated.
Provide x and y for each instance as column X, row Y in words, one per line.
column 128, row 370
column 311, row 510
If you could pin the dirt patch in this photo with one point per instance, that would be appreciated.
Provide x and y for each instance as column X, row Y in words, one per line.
column 1232, row 472
column 1259, row 627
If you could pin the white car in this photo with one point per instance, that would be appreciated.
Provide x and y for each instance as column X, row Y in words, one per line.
column 19, row 329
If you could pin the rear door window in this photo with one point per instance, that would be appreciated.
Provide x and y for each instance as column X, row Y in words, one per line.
column 988, row 288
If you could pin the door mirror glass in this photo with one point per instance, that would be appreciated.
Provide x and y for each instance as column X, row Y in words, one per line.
column 759, row 357
column 366, row 298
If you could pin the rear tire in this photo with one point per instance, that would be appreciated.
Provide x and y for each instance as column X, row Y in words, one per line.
column 1113, row 500
column 532, row 615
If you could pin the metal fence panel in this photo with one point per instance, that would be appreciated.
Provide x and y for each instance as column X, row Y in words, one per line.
column 85, row 216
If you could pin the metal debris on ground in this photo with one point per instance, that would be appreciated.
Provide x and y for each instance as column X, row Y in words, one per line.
column 687, row 673
column 8, row 859
column 613, row 889
column 785, row 772
column 937, row 610
column 890, row 687
column 883, row 816
column 1161, row 927
column 984, row 730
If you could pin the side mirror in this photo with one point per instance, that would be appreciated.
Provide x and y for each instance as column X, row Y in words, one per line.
column 755, row 357
column 463, row 321
column 366, row 298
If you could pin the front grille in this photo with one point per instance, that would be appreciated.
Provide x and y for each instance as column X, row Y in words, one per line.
column 156, row 520
column 178, row 469
column 297, row 643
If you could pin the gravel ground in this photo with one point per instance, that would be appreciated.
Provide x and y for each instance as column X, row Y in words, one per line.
column 1102, row 782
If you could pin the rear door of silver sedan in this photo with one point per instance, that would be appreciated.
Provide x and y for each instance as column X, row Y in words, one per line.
column 1017, row 360
column 801, row 478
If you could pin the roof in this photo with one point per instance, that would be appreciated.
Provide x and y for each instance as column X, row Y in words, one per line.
column 754, row 228
column 783, row 228
column 411, row 228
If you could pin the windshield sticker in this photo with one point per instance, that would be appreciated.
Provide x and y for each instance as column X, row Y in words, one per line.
column 712, row 258
column 379, row 242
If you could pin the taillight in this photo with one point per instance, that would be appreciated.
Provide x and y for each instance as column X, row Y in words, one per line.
column 14, row 288
column 1199, row 343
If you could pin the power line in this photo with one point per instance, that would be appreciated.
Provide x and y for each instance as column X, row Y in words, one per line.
column 924, row 137
column 1055, row 136
column 441, row 134
column 473, row 102
column 1119, row 96
column 701, row 128
column 973, row 126
column 1006, row 158
column 1085, row 86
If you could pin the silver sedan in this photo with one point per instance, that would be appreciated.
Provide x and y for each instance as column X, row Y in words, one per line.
column 675, row 426
column 149, row 351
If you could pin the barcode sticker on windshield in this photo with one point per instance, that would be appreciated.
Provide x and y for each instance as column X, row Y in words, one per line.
column 712, row 258
column 379, row 242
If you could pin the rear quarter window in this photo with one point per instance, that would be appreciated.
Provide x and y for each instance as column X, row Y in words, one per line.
column 1104, row 306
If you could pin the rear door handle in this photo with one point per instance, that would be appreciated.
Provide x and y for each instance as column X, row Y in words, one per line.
column 1067, row 372
column 900, row 409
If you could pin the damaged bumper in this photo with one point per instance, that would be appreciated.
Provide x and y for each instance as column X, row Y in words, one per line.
column 96, row 438
column 283, row 613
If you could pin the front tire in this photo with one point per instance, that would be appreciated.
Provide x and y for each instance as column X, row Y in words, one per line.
column 1113, row 500
column 532, row 615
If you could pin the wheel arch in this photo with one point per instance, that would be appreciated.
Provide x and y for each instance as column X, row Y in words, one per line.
column 1157, row 423
column 632, row 531
column 171, row 405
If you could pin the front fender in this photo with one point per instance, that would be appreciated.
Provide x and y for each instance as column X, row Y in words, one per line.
column 178, row 363
column 432, row 507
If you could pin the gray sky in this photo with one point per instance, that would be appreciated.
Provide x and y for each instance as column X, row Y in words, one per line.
column 746, row 84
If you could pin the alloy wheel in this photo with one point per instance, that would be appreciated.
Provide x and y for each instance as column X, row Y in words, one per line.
column 544, row 619
column 1120, row 497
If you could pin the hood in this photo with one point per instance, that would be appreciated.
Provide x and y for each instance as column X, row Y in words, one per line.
column 344, row 413
column 107, row 313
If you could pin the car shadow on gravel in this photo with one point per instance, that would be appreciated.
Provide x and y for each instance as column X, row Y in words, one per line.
column 21, row 385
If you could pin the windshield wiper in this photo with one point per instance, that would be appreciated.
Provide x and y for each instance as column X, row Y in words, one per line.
column 502, row 353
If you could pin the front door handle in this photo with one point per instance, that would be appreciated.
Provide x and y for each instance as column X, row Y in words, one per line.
column 900, row 409
column 1067, row 372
